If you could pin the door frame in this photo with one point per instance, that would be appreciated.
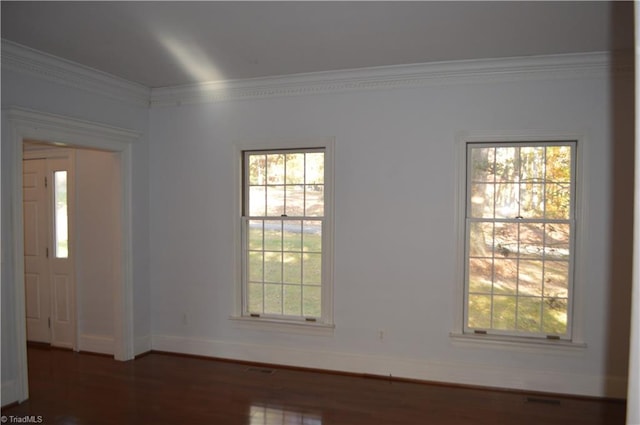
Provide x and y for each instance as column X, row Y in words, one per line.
column 59, row 130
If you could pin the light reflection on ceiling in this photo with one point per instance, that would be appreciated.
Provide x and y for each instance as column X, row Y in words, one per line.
column 192, row 59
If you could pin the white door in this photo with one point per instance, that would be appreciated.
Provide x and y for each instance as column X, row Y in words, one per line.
column 49, row 277
column 36, row 263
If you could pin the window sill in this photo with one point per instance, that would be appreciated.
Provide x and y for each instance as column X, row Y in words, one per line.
column 517, row 343
column 285, row 326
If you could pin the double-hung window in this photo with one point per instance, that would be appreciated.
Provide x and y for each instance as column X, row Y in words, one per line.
column 520, row 232
column 284, row 226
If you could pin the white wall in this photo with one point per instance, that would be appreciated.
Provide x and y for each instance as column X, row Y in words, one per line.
column 633, row 395
column 98, row 247
column 26, row 90
column 395, row 244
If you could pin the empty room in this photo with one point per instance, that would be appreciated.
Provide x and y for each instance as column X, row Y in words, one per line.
column 320, row 212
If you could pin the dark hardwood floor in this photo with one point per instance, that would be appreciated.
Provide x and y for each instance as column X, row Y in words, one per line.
column 72, row 388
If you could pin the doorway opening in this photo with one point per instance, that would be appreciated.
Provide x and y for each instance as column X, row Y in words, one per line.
column 72, row 239
column 57, row 130
column 49, row 248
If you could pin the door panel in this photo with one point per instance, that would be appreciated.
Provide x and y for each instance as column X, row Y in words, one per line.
column 36, row 264
column 61, row 299
column 31, row 222
column 32, row 289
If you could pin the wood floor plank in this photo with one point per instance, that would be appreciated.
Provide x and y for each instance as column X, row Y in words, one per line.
column 72, row 388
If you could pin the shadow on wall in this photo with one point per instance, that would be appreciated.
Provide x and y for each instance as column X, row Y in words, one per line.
column 622, row 190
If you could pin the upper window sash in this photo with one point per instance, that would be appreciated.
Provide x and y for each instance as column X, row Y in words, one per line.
column 301, row 189
column 535, row 181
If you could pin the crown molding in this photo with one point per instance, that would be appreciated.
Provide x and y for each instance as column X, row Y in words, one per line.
column 582, row 65
column 22, row 59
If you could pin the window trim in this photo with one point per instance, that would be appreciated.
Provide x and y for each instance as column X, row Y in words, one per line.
column 325, row 323
column 576, row 321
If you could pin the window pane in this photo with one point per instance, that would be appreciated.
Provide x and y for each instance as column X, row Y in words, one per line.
column 314, row 168
column 507, row 200
column 557, row 241
column 255, row 298
column 294, row 200
column 532, row 164
column 257, row 169
column 273, row 235
column 61, row 219
column 272, row 299
column 556, row 279
column 506, row 164
column 314, row 200
column 558, row 201
column 292, row 235
column 311, row 301
column 554, row 315
column 293, row 300
column 530, row 278
column 506, row 276
column 273, row 267
column 558, row 164
column 531, row 200
column 257, row 205
column 481, row 200
column 275, row 169
column 504, row 312
column 529, row 313
column 482, row 164
column 312, row 236
column 275, row 200
column 312, row 268
column 480, row 275
column 295, row 168
column 481, row 239
column 292, row 268
column 479, row 311
column 507, row 245
column 531, row 240
column 255, row 234
column 256, row 266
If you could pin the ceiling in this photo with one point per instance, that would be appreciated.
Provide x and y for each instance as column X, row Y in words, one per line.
column 160, row 44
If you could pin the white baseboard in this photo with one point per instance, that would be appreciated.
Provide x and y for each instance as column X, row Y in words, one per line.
column 9, row 393
column 100, row 344
column 435, row 371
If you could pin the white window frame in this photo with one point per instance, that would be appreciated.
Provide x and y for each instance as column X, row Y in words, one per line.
column 323, row 324
column 460, row 333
